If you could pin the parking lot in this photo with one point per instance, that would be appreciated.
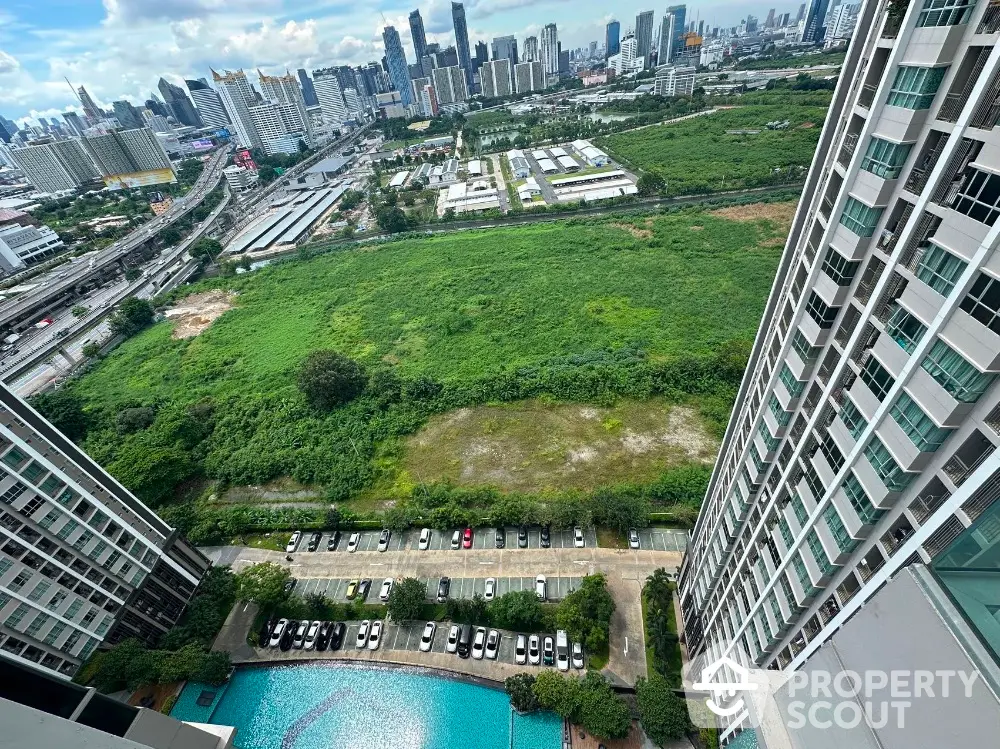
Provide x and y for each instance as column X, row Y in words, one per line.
column 663, row 539
column 483, row 538
column 556, row 588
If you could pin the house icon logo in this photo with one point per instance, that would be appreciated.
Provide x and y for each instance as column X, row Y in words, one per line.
column 723, row 691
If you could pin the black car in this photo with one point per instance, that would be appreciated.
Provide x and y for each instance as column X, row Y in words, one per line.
column 323, row 638
column 522, row 537
column 265, row 631
column 363, row 588
column 331, row 545
column 546, row 537
column 443, row 588
column 501, row 538
column 314, row 541
column 288, row 635
column 337, row 635
column 290, row 585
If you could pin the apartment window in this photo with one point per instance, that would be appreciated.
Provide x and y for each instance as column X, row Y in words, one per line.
column 36, row 625
column 979, row 197
column 944, row 12
column 14, row 457
column 89, row 617
column 886, row 467
column 786, row 532
column 802, row 573
column 39, row 590
column 50, row 517
column 71, row 641
column 776, row 608
column 877, row 378
column 19, row 581
column 85, row 538
column 16, row 616
column 820, row 311
column 738, row 493
column 812, row 480
column 914, row 88
column 806, row 352
column 955, row 374
column 837, row 530
column 765, row 625
column 66, row 498
column 68, row 527
column 99, row 548
column 12, row 493
column 839, row 268
column 799, row 508
column 755, row 456
column 852, row 418
column 769, row 441
column 919, row 427
column 57, row 629
column 885, row 158
column 50, row 485
column 56, row 601
column 860, row 218
column 794, row 386
column 831, row 452
column 983, row 302
column 819, row 553
column 33, row 471
column 74, row 609
column 5, row 564
column 939, row 269
column 905, row 329
column 862, row 505
column 31, row 506
column 780, row 415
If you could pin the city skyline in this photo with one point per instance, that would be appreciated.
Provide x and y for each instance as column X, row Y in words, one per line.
column 119, row 50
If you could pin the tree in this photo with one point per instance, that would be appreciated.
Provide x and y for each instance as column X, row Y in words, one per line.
column 663, row 714
column 64, row 409
column 317, row 605
column 91, row 350
column 132, row 315
column 392, row 219
column 351, row 199
column 650, row 184
column 557, row 693
column 406, row 599
column 600, row 711
column 170, row 236
column 518, row 610
column 131, row 274
column 131, row 420
column 329, row 379
column 206, row 249
column 79, row 310
column 520, row 689
column 585, row 613
column 620, row 510
column 263, row 584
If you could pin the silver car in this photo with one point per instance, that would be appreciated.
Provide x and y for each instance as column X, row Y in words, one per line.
column 633, row 538
column 493, row 645
column 521, row 650
column 362, row 638
column 534, row 652
column 453, row 634
column 427, row 638
column 479, row 644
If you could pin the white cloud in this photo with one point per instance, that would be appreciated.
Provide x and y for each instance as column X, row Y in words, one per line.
column 131, row 12
column 8, row 64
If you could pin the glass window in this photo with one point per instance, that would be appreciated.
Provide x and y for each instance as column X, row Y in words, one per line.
column 786, row 532
column 802, row 573
column 16, row 615
column 939, row 269
column 955, row 374
column 820, row 311
column 812, row 480
column 780, row 415
column 19, row 581
column 837, row 530
column 50, row 517
column 806, row 352
column 776, row 608
column 914, row 88
column 979, row 196
column 51, row 485
column 885, row 158
column 944, row 12
column 819, row 553
column 33, row 471
column 14, row 457
column 39, row 590
column 57, row 629
column 905, row 329
column 885, row 466
column 16, row 490
column 852, row 418
column 68, row 527
column 839, row 268
column 983, row 302
column 867, row 512
column 877, row 378
column 799, row 508
column 919, row 427
column 755, row 456
column 860, row 218
column 831, row 452
column 769, row 441
column 794, row 386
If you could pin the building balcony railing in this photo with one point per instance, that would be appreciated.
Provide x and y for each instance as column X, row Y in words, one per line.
column 958, row 470
column 952, row 106
column 925, row 505
column 828, row 610
column 867, row 95
column 847, row 150
column 867, row 572
column 990, row 24
column 896, row 537
column 992, row 419
column 812, row 628
column 845, row 592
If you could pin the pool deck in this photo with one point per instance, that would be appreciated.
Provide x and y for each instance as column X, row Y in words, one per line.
column 626, row 571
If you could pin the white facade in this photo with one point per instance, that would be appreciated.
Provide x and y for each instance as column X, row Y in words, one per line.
column 495, row 78
column 519, row 167
column 549, row 49
column 528, row 77
column 237, row 96
column 674, row 80
column 626, row 60
column 284, row 91
column 239, row 178
column 53, row 167
column 21, row 246
column 449, row 84
column 330, row 96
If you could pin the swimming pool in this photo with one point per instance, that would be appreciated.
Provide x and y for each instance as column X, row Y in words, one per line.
column 334, row 706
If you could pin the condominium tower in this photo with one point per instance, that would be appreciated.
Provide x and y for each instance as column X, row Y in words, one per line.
column 395, row 59
column 644, row 33
column 549, row 49
column 237, row 97
column 209, row 105
column 462, row 42
column 860, row 460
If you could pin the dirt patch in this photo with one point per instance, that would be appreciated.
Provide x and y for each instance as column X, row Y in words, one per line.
column 534, row 446
column 635, row 231
column 773, row 242
column 780, row 213
column 697, row 228
column 807, row 125
column 195, row 313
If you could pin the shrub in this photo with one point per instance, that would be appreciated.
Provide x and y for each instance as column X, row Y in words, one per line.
column 329, row 379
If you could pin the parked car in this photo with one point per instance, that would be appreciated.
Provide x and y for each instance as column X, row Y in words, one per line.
column 337, row 635
column 453, row 635
column 352, row 590
column 492, row 645
column 577, row 655
column 522, row 538
column 375, row 636
column 562, row 650
column 491, row 588
column 633, row 538
column 383, row 594
column 578, row 537
column 288, row 636
column 465, row 641
column 362, row 638
column 534, row 655
column 456, row 539
column 479, row 644
column 500, row 538
column 425, row 539
column 277, row 632
column 363, row 587
column 427, row 638
column 540, row 587
column 314, row 540
column 383, row 539
column 293, row 542
column 444, row 587
column 467, row 539
column 311, row 635
column 300, row 635
column 548, row 651
column 353, row 541
column 323, row 638
column 289, row 585
column 546, row 537
column 521, row 650
column 333, row 542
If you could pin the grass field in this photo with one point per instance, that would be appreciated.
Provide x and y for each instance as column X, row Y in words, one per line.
column 700, row 156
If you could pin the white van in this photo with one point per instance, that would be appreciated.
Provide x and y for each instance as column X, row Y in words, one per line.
column 562, row 650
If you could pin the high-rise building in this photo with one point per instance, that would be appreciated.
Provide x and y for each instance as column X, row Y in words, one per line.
column 355, row 107
column 612, row 38
column 237, row 97
column 125, row 152
column 462, row 41
column 505, row 48
column 126, row 114
column 210, row 109
column 528, row 77
column 395, row 58
column 674, row 80
column 769, row 21
column 843, row 19
column 178, row 102
column 53, row 167
column 428, row 99
column 548, row 47
column 74, row 123
column 84, row 561
column 155, row 106
column 155, row 122
column 482, row 55
column 495, row 77
column 285, row 92
column 90, row 110
column 531, row 53
column 418, row 36
column 672, row 31
column 308, row 92
column 372, row 79
column 815, row 22
column 644, row 33
column 279, row 126
column 801, row 14
column 449, row 85
column 626, row 60
column 859, row 476
column 330, row 95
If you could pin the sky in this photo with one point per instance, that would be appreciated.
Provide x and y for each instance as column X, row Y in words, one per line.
column 120, row 48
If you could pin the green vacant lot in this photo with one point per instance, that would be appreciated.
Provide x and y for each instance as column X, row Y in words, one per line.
column 700, row 155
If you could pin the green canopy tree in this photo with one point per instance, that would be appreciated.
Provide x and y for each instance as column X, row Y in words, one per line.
column 329, row 379
column 520, row 689
column 406, row 599
column 663, row 714
column 263, row 584
column 517, row 610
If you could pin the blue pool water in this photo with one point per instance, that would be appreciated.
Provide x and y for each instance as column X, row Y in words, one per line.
column 327, row 706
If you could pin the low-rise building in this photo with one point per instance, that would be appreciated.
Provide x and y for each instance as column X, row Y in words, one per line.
column 593, row 155
column 470, row 197
column 474, row 168
column 444, row 174
column 239, row 178
column 399, row 179
column 21, row 246
column 519, row 167
column 528, row 190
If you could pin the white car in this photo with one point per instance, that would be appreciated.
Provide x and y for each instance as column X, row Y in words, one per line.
column 353, row 541
column 492, row 645
column 456, row 540
column 577, row 655
column 578, row 537
column 425, row 539
column 540, row 587
column 383, row 594
column 276, row 633
column 383, row 539
column 633, row 538
column 427, row 638
column 311, row 635
column 293, row 541
column 491, row 588
column 534, row 654
column 375, row 636
column 453, row 635
column 479, row 644
column 521, row 650
column 362, row 638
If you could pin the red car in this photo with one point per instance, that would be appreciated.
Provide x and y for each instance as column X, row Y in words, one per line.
column 467, row 539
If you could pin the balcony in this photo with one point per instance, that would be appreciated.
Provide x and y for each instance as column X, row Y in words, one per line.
column 991, row 19
column 848, row 589
column 867, row 95
column 917, row 179
column 897, row 535
column 992, row 420
column 847, row 150
column 968, row 458
column 812, row 628
column 871, row 564
column 951, row 107
column 892, row 24
column 926, row 504
column 828, row 610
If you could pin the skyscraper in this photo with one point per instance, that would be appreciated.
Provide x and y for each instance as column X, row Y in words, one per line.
column 612, row 38
column 859, row 476
column 210, row 109
column 671, row 34
column 284, row 92
column 90, row 109
column 237, row 97
column 505, row 48
column 449, row 85
column 330, row 96
column 308, row 92
column 531, row 53
column 126, row 114
column 549, row 49
column 815, row 22
column 395, row 58
column 418, row 36
column 178, row 102
column 462, row 41
column 495, row 77
column 769, row 21
column 75, row 124
column 644, row 33
column 482, row 55
column 528, row 77
column 52, row 167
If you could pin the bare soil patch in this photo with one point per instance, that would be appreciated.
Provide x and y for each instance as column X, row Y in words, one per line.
column 635, row 231
column 807, row 125
column 533, row 446
column 195, row 313
column 780, row 213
